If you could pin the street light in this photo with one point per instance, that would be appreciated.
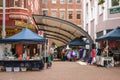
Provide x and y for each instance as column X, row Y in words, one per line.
column 4, row 13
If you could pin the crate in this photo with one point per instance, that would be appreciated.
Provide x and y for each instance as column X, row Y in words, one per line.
column 1, row 68
column 16, row 69
column 8, row 69
column 23, row 69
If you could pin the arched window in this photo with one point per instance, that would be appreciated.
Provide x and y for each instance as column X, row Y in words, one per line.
column 19, row 3
column 16, row 3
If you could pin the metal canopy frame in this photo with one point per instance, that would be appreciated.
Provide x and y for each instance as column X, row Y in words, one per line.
column 56, row 33
column 46, row 34
column 58, row 29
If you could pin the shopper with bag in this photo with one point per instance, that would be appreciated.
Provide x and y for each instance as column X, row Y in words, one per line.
column 93, row 55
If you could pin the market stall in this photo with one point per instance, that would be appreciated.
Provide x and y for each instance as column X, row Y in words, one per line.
column 108, row 39
column 80, row 44
column 26, row 47
column 77, row 42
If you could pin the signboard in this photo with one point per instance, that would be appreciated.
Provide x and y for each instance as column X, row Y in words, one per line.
column 40, row 33
column 9, row 32
column 23, row 24
column 115, row 10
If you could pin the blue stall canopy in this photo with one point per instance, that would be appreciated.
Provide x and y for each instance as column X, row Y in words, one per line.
column 112, row 35
column 25, row 36
column 77, row 42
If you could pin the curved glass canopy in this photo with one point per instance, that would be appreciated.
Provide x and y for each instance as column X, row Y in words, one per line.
column 59, row 31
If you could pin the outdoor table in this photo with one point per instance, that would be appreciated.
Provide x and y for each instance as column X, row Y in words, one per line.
column 105, row 59
column 29, row 64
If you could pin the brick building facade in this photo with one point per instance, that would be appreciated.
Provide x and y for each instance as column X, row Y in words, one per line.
column 22, row 10
column 18, row 10
column 69, row 10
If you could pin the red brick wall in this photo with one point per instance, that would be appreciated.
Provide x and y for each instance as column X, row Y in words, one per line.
column 66, row 6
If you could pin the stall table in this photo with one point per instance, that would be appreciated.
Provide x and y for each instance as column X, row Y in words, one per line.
column 28, row 64
column 104, row 60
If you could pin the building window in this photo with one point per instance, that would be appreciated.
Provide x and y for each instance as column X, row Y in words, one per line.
column 78, row 15
column 78, row 1
column 54, row 13
column 1, row 3
column 62, row 14
column 62, row 1
column 115, row 3
column 54, row 1
column 70, row 14
column 16, row 3
column 45, row 12
column 99, row 33
column 100, row 9
column 108, row 30
column 45, row 1
column 69, row 1
column 23, row 4
column 92, row 12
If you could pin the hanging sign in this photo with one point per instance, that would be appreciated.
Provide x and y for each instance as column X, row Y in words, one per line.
column 115, row 10
column 23, row 24
column 40, row 33
column 9, row 32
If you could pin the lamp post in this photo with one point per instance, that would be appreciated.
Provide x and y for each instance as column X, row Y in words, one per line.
column 4, row 13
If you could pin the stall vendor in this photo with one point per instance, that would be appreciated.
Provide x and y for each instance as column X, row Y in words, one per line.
column 36, row 57
column 110, row 53
column 20, row 57
column 10, row 53
column 104, row 53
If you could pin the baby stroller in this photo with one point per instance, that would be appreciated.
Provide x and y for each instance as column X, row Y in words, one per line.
column 49, row 62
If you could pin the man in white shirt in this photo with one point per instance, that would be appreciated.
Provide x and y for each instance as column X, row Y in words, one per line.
column 52, row 52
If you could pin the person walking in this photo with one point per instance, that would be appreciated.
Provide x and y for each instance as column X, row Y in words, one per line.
column 52, row 52
column 93, row 55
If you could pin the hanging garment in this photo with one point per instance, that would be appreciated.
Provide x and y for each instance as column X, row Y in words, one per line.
column 81, row 53
column 84, row 53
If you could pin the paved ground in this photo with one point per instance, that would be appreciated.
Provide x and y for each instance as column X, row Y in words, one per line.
column 66, row 71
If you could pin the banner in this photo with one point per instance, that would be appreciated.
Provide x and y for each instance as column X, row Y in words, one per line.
column 9, row 32
column 40, row 33
column 24, row 25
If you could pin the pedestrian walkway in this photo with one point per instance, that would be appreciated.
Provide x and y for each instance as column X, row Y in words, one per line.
column 81, row 63
column 66, row 71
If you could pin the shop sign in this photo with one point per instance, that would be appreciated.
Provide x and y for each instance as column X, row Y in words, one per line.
column 115, row 10
column 23, row 24
column 40, row 33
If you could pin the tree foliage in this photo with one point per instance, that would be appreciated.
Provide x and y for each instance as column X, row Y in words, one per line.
column 102, row 1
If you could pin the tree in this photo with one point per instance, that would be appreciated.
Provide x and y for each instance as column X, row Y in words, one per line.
column 102, row 1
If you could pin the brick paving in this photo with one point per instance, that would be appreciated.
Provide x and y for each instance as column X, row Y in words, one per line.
column 66, row 71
